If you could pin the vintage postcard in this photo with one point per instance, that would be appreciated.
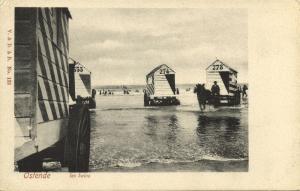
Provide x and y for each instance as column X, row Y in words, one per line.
column 166, row 95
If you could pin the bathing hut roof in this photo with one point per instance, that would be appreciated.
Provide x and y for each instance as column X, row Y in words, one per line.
column 230, row 68
column 78, row 63
column 157, row 68
column 66, row 10
column 72, row 61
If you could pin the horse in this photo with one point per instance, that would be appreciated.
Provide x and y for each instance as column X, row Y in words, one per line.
column 203, row 95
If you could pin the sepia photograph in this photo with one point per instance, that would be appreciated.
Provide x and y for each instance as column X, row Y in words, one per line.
column 149, row 95
column 131, row 90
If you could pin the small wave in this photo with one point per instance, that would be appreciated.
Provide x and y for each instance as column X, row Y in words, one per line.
column 218, row 158
column 197, row 110
column 233, row 107
column 184, row 108
column 129, row 108
column 123, row 108
column 204, row 158
column 129, row 164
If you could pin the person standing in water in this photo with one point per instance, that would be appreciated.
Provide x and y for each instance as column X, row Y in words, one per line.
column 215, row 91
column 245, row 88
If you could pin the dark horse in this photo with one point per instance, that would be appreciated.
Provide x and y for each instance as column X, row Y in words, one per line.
column 203, row 95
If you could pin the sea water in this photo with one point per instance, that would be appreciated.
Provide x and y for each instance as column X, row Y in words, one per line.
column 126, row 136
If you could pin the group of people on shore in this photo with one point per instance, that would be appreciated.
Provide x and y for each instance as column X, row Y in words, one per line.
column 106, row 92
column 109, row 92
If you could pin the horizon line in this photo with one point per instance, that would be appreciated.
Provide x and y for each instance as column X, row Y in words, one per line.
column 145, row 84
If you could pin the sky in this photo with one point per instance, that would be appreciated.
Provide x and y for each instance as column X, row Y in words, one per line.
column 120, row 46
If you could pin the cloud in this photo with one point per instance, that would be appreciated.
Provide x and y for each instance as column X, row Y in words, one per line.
column 106, row 45
column 122, row 45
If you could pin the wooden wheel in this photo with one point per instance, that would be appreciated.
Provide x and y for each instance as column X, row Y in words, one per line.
column 30, row 164
column 78, row 139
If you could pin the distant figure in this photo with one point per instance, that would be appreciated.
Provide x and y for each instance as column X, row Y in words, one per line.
column 237, row 95
column 245, row 88
column 99, row 92
column 79, row 100
column 215, row 91
column 177, row 91
column 93, row 93
column 91, row 100
column 202, row 95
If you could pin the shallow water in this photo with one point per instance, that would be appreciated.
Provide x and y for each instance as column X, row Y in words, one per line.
column 126, row 136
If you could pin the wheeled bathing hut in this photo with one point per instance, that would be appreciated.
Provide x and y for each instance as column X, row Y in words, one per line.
column 47, row 127
column 80, row 84
column 226, row 78
column 160, row 87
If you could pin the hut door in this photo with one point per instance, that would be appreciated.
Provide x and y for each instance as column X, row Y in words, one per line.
column 171, row 80
column 225, row 79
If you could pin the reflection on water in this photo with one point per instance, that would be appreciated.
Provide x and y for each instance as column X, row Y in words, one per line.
column 173, row 128
column 129, row 136
column 222, row 134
